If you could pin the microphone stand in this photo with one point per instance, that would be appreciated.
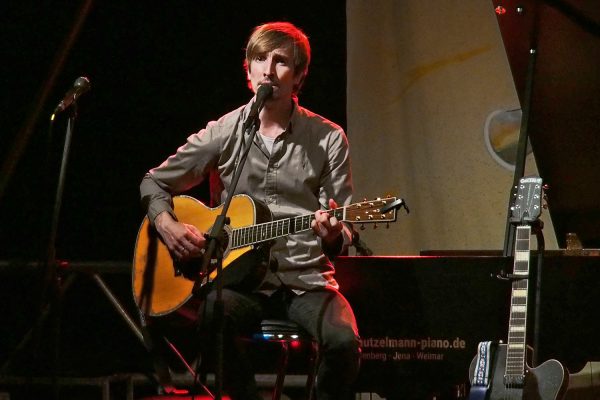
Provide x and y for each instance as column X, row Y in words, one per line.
column 521, row 155
column 509, row 235
column 541, row 246
column 214, row 249
column 53, row 279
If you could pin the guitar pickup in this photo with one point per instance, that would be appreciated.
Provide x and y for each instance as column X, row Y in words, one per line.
column 510, row 277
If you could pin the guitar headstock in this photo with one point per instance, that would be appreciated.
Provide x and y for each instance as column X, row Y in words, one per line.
column 527, row 206
column 374, row 211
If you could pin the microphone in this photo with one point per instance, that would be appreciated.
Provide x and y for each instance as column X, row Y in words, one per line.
column 81, row 85
column 262, row 94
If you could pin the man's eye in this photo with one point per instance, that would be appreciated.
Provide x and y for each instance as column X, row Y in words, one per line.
column 261, row 58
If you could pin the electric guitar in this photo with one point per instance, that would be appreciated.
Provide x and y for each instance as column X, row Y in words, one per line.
column 161, row 285
column 511, row 377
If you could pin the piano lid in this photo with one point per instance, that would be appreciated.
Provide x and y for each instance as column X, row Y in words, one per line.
column 564, row 121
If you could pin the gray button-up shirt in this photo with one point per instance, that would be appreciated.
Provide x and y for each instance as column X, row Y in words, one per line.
column 309, row 163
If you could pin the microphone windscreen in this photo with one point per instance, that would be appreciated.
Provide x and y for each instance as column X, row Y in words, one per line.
column 82, row 84
column 264, row 92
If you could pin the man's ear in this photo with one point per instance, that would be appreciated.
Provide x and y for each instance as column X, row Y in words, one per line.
column 298, row 81
column 249, row 83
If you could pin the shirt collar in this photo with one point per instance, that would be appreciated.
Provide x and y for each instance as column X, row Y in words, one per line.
column 294, row 119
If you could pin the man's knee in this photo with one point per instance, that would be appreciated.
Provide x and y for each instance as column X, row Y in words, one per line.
column 343, row 342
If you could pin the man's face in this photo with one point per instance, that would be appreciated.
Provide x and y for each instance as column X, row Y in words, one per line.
column 277, row 68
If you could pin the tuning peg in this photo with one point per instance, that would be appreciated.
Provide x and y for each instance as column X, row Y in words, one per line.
column 375, row 225
column 362, row 227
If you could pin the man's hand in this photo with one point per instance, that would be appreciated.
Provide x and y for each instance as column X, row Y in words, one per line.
column 184, row 241
column 328, row 228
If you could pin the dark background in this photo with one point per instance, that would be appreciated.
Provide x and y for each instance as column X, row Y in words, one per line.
column 159, row 71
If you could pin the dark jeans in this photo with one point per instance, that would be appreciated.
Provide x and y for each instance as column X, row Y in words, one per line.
column 323, row 313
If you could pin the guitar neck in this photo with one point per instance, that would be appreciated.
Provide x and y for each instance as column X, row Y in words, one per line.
column 517, row 332
column 249, row 235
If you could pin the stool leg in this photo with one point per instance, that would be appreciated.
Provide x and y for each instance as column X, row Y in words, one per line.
column 313, row 366
column 130, row 388
column 106, row 390
column 283, row 362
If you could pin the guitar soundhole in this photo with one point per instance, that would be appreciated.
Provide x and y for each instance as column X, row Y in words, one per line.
column 223, row 239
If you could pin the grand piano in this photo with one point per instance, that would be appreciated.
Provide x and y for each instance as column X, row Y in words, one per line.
column 421, row 318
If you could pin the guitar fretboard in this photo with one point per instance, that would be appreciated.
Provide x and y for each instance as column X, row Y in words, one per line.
column 246, row 236
column 516, row 351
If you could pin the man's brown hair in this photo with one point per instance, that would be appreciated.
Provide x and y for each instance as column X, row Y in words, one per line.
column 273, row 35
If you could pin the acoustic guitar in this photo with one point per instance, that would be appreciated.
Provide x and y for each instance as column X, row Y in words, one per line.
column 161, row 285
column 511, row 378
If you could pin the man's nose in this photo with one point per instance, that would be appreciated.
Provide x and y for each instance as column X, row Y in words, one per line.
column 269, row 67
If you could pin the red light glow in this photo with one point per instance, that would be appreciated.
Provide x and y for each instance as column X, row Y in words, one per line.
column 500, row 10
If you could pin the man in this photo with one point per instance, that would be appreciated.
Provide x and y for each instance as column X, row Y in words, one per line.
column 298, row 163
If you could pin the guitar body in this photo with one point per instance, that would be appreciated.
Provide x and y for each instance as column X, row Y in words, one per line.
column 548, row 381
column 161, row 286
column 158, row 288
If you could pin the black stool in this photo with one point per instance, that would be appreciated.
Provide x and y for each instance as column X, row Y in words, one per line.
column 282, row 332
column 285, row 333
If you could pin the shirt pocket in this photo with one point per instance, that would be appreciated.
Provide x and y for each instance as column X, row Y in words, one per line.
column 308, row 171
